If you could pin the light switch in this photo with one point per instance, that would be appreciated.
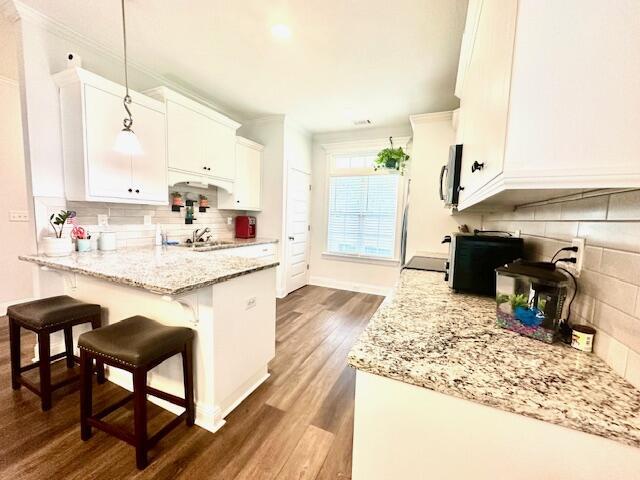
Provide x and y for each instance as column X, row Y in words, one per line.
column 18, row 216
column 103, row 220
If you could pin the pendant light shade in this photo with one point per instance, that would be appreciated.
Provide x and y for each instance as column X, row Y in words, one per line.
column 126, row 142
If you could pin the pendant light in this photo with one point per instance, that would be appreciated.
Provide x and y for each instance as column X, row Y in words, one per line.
column 126, row 142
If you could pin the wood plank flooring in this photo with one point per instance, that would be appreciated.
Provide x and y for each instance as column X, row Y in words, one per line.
column 297, row 425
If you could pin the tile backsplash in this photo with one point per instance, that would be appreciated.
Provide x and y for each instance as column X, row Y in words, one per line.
column 609, row 285
column 127, row 220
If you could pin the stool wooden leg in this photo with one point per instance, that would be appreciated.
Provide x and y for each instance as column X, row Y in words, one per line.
column 96, row 322
column 44, row 363
column 86, row 379
column 187, row 372
column 14, row 345
column 68, row 345
column 140, row 416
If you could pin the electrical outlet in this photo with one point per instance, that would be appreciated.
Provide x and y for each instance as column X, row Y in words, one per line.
column 576, row 268
column 147, row 219
column 103, row 220
column 251, row 302
column 517, row 233
column 18, row 216
column 229, row 220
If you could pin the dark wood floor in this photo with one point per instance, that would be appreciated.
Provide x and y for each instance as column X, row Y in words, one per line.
column 297, row 425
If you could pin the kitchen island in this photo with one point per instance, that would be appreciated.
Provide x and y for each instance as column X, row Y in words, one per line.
column 228, row 300
column 443, row 393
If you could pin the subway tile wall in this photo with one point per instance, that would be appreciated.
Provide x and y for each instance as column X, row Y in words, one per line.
column 127, row 220
column 609, row 285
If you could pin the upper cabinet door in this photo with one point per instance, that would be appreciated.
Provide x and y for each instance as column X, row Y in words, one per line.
column 485, row 100
column 220, row 145
column 108, row 172
column 252, row 178
column 149, row 170
column 185, row 142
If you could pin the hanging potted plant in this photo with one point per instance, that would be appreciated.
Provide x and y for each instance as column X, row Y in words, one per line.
column 204, row 201
column 58, row 245
column 176, row 199
column 391, row 158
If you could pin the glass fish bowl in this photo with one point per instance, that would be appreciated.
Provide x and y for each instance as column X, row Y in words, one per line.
column 530, row 298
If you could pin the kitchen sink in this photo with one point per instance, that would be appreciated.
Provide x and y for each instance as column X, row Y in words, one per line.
column 207, row 244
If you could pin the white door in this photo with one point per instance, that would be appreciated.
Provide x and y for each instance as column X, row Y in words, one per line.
column 185, row 134
column 109, row 172
column 149, row 170
column 220, row 148
column 297, row 239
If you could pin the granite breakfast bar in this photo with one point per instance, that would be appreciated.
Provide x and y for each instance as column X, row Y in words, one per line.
column 227, row 299
column 441, row 390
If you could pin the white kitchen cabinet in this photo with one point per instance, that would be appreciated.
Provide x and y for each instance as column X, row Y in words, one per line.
column 91, row 116
column 549, row 108
column 247, row 188
column 200, row 141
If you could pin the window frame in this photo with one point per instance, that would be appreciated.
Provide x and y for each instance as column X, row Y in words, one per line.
column 363, row 147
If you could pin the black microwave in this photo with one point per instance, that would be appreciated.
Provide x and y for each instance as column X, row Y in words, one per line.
column 473, row 258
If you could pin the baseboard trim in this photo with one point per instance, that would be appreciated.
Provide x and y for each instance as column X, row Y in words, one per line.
column 5, row 305
column 351, row 286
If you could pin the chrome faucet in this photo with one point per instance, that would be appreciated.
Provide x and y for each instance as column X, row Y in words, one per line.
column 198, row 234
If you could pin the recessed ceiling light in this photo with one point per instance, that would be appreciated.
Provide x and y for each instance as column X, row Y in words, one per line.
column 281, row 31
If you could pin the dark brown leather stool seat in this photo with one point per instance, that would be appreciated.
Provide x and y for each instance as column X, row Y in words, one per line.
column 52, row 311
column 135, row 341
column 136, row 344
column 44, row 317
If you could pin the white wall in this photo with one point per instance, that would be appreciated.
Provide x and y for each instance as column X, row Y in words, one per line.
column 17, row 237
column 330, row 271
column 286, row 145
column 429, row 221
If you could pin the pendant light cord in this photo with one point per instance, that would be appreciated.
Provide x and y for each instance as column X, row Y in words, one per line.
column 128, row 122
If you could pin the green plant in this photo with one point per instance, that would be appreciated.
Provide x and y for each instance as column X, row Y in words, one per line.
column 391, row 158
column 203, row 197
column 520, row 300
column 60, row 219
column 176, row 195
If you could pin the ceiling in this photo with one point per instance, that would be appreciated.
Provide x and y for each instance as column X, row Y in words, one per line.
column 346, row 59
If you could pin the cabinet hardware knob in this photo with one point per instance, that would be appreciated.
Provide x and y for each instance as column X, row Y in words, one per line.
column 291, row 238
column 204, row 168
column 237, row 201
column 477, row 166
column 137, row 190
column 130, row 190
column 460, row 188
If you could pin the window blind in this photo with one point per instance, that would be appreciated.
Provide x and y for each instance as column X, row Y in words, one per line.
column 362, row 215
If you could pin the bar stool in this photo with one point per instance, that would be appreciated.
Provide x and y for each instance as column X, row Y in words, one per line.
column 44, row 317
column 136, row 344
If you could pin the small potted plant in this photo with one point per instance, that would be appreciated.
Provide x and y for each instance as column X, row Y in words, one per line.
column 204, row 201
column 176, row 199
column 391, row 158
column 58, row 245
column 82, row 237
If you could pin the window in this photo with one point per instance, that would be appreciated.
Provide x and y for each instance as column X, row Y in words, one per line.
column 362, row 210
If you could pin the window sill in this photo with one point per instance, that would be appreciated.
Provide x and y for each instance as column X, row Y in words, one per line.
column 360, row 259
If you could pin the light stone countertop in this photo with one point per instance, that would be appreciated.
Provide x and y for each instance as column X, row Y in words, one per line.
column 428, row 336
column 162, row 270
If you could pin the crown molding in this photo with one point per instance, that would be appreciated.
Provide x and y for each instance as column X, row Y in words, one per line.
column 34, row 17
column 364, row 145
column 430, row 117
